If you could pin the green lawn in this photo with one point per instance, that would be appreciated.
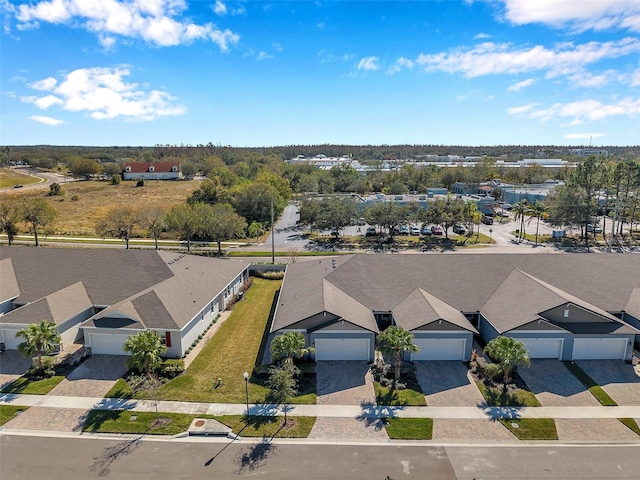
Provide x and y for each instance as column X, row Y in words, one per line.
column 631, row 424
column 495, row 398
column 406, row 397
column 531, row 428
column 595, row 389
column 409, row 428
column 125, row 421
column 233, row 350
column 258, row 426
column 32, row 387
column 7, row 412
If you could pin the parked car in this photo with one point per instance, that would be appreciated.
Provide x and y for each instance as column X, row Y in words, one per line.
column 404, row 230
column 487, row 220
column 591, row 228
column 371, row 231
column 502, row 213
column 18, row 185
column 437, row 230
column 426, row 231
column 459, row 229
column 414, row 230
column 507, row 206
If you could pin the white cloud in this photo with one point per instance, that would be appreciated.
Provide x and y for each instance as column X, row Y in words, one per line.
column 320, row 25
column 481, row 36
column 580, row 16
column 219, row 8
column 103, row 94
column 400, row 64
column 263, row 56
column 329, row 57
column 46, row 120
column 635, row 78
column 277, row 46
column 521, row 109
column 503, row 58
column 582, row 111
column 368, row 63
column 589, row 80
column 581, row 136
column 154, row 21
column 44, row 84
column 516, row 87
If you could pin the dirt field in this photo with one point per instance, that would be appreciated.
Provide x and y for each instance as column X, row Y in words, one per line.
column 95, row 198
column 9, row 178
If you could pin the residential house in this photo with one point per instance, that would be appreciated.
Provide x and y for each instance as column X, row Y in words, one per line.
column 151, row 171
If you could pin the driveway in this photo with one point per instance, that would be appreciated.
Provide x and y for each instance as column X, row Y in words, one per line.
column 13, row 365
column 346, row 383
column 447, row 383
column 620, row 380
column 92, row 378
column 555, row 386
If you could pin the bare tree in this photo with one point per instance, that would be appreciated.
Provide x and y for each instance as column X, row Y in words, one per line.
column 119, row 222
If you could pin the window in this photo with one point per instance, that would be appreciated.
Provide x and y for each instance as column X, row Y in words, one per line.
column 151, row 168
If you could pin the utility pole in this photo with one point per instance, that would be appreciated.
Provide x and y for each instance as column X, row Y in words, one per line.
column 273, row 245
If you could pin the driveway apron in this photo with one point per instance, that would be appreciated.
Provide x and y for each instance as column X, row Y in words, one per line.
column 620, row 380
column 93, row 378
column 13, row 365
column 555, row 386
column 346, row 383
column 593, row 429
column 448, row 384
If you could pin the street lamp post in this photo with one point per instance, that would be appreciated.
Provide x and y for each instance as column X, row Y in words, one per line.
column 246, row 389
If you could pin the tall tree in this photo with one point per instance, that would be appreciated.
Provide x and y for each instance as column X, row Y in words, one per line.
column 118, row 222
column 37, row 213
column 537, row 211
column 283, row 384
column 84, row 167
column 220, row 223
column 153, row 219
column 9, row 217
column 39, row 338
column 519, row 211
column 186, row 220
column 145, row 348
column 396, row 340
column 255, row 230
column 388, row 215
column 337, row 213
column 509, row 353
column 586, row 177
column 288, row 346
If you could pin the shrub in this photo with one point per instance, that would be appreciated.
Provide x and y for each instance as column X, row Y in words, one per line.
column 171, row 367
column 47, row 367
column 400, row 386
column 55, row 189
column 494, row 372
column 116, row 179
column 140, row 183
column 75, row 198
column 268, row 275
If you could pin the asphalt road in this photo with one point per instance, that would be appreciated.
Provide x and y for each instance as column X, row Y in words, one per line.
column 91, row 457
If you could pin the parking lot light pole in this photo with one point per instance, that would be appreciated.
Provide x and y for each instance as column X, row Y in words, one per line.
column 246, row 389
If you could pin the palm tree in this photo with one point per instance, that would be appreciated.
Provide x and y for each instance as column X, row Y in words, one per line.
column 288, row 346
column 145, row 349
column 508, row 352
column 39, row 338
column 396, row 340
column 537, row 210
column 519, row 210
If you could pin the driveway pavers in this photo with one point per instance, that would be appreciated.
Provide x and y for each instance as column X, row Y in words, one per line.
column 593, row 429
column 620, row 380
column 464, row 429
column 45, row 418
column 448, row 384
column 13, row 365
column 344, row 383
column 555, row 386
column 93, row 378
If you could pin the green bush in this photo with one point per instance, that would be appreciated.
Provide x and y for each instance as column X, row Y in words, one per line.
column 493, row 371
column 140, row 183
column 116, row 179
column 75, row 198
column 268, row 275
column 171, row 367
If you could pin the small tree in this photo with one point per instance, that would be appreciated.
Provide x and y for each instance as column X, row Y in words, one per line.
column 9, row 217
column 288, row 346
column 396, row 340
column 145, row 349
column 118, row 222
column 55, row 189
column 154, row 220
column 37, row 213
column 283, row 384
column 39, row 338
column 256, row 229
column 538, row 210
column 509, row 353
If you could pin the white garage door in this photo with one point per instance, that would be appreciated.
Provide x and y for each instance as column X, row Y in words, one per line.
column 599, row 348
column 342, row 349
column 542, row 347
column 440, row 349
column 10, row 340
column 107, row 344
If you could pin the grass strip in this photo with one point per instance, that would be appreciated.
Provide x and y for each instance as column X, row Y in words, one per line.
column 268, row 426
column 631, row 424
column 405, row 397
column 32, row 387
column 8, row 412
column 409, row 428
column 595, row 389
column 126, row 421
column 531, row 428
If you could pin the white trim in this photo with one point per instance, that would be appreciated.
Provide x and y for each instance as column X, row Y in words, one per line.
column 440, row 332
column 555, row 332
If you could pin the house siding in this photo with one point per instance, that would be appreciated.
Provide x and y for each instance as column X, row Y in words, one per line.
column 487, row 331
column 634, row 322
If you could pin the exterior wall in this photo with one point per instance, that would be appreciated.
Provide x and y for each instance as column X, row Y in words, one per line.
column 439, row 327
column 313, row 321
column 175, row 350
column 8, row 336
column 151, row 175
column 575, row 315
column 345, row 334
column 120, row 331
column 633, row 321
column 69, row 329
column 424, row 334
column 538, row 326
column 343, row 326
column 487, row 331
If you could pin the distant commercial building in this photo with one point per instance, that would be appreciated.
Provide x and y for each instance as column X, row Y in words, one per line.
column 151, row 171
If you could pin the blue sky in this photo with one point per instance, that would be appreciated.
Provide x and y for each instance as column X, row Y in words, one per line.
column 262, row 73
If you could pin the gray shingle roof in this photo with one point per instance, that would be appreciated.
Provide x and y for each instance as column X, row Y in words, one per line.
column 8, row 283
column 341, row 304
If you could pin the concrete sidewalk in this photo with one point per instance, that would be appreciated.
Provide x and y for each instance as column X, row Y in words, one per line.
column 339, row 411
